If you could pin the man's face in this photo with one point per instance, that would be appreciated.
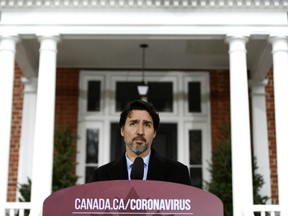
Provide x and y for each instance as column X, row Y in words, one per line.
column 138, row 133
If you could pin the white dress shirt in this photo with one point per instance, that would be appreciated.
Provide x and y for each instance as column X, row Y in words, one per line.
column 130, row 164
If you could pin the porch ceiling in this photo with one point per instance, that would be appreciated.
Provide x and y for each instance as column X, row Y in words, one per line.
column 172, row 54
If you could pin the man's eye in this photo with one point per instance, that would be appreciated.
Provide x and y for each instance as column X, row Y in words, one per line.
column 148, row 125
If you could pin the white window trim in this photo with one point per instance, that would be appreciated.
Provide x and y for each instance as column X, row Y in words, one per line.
column 83, row 90
column 206, row 146
column 81, row 147
column 203, row 78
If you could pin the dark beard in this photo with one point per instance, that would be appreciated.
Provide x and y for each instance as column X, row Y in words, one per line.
column 136, row 149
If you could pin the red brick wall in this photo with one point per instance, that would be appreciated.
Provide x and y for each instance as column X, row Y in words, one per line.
column 272, row 135
column 220, row 103
column 15, row 134
column 66, row 107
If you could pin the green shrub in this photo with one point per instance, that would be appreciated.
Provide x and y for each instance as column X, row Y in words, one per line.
column 221, row 175
column 63, row 163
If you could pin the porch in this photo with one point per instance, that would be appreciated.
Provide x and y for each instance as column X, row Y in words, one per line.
column 20, row 26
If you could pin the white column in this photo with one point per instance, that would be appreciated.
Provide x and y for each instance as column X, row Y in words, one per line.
column 260, row 133
column 280, row 70
column 7, row 63
column 240, row 127
column 44, row 124
column 27, row 134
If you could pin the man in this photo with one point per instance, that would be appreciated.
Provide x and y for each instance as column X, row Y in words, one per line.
column 139, row 123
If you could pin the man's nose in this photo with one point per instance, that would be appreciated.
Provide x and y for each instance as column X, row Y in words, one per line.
column 140, row 130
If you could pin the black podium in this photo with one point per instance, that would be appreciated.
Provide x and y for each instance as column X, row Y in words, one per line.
column 134, row 197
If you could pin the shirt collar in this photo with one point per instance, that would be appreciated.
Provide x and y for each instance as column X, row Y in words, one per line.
column 145, row 159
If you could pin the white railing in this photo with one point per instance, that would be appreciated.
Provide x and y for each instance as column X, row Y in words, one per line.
column 16, row 208
column 264, row 210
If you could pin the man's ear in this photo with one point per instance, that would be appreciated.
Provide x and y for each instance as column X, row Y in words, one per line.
column 155, row 133
column 121, row 131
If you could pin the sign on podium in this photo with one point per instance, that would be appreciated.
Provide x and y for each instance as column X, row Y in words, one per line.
column 132, row 197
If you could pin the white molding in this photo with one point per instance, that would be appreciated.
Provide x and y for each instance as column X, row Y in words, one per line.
column 138, row 4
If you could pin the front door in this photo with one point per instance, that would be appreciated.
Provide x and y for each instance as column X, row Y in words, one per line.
column 182, row 100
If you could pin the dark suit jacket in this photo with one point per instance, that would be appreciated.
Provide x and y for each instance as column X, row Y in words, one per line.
column 160, row 168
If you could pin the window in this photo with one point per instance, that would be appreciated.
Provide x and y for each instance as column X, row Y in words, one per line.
column 93, row 96
column 88, row 149
column 198, row 146
column 160, row 94
column 194, row 97
column 195, row 149
column 196, row 94
column 92, row 143
column 125, row 92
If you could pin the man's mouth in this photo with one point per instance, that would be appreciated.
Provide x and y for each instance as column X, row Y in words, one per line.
column 139, row 139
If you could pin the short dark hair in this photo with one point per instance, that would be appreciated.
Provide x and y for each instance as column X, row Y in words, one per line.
column 140, row 105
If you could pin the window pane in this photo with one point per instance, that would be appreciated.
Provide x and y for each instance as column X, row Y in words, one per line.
column 125, row 92
column 160, row 94
column 93, row 96
column 89, row 174
column 194, row 96
column 117, row 146
column 196, row 177
column 92, row 143
column 195, row 145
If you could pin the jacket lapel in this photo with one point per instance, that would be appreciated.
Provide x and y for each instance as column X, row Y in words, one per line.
column 158, row 169
column 119, row 169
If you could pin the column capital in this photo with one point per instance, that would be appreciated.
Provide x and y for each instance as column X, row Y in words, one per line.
column 48, row 42
column 237, row 43
column 55, row 37
column 233, row 37
column 279, row 43
column 30, row 84
column 258, row 86
column 8, row 43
